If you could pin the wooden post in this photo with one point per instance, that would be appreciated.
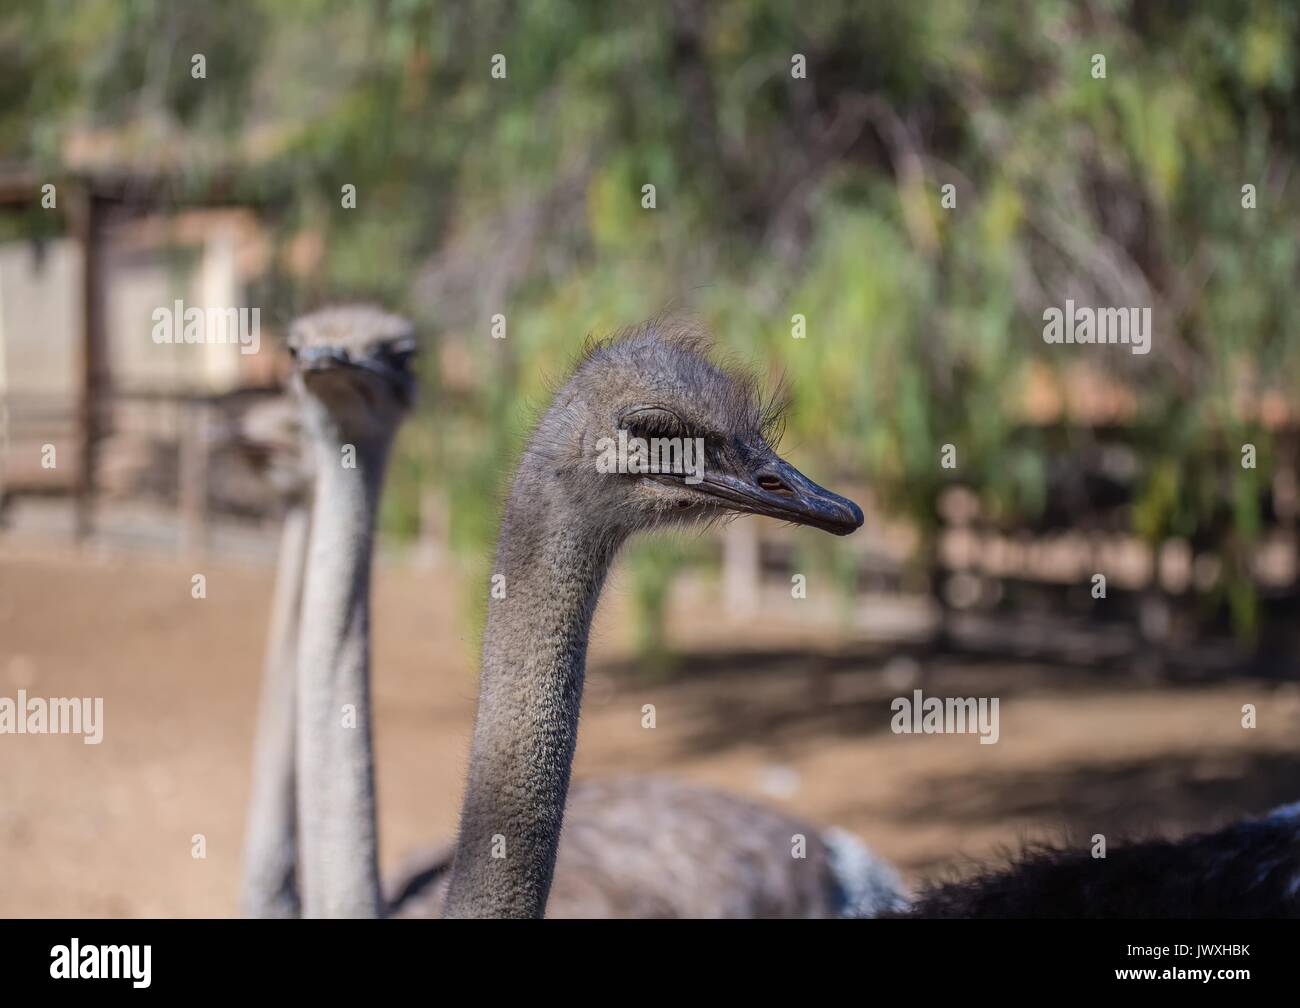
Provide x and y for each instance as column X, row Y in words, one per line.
column 433, row 537
column 741, row 570
column 192, row 493
column 84, row 216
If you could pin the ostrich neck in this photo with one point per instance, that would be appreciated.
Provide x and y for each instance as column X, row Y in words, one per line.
column 270, row 884
column 534, row 655
column 336, row 810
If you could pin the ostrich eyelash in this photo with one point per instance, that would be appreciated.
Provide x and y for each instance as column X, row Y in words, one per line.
column 653, row 423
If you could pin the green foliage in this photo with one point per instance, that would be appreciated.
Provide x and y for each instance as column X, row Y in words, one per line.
column 776, row 197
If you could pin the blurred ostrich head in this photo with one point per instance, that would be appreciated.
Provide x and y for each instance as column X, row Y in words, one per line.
column 352, row 367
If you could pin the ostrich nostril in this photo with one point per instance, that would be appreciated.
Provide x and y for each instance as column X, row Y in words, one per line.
column 773, row 484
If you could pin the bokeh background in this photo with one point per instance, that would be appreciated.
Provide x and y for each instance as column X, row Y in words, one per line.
column 799, row 155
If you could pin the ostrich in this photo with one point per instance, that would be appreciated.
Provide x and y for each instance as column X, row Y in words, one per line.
column 271, row 430
column 352, row 374
column 1248, row 869
column 710, row 854
column 565, row 518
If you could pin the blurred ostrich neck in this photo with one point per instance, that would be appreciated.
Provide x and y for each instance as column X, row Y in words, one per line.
column 340, row 874
column 554, row 561
column 270, row 883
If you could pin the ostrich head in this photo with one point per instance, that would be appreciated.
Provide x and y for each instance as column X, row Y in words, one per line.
column 353, row 365
column 714, row 433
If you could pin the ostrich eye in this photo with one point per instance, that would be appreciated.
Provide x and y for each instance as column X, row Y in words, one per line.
column 398, row 353
column 653, row 423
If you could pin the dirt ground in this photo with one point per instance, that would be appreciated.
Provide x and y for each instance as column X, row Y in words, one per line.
column 780, row 708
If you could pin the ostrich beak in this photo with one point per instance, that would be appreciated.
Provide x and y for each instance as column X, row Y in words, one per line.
column 392, row 366
column 778, row 490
